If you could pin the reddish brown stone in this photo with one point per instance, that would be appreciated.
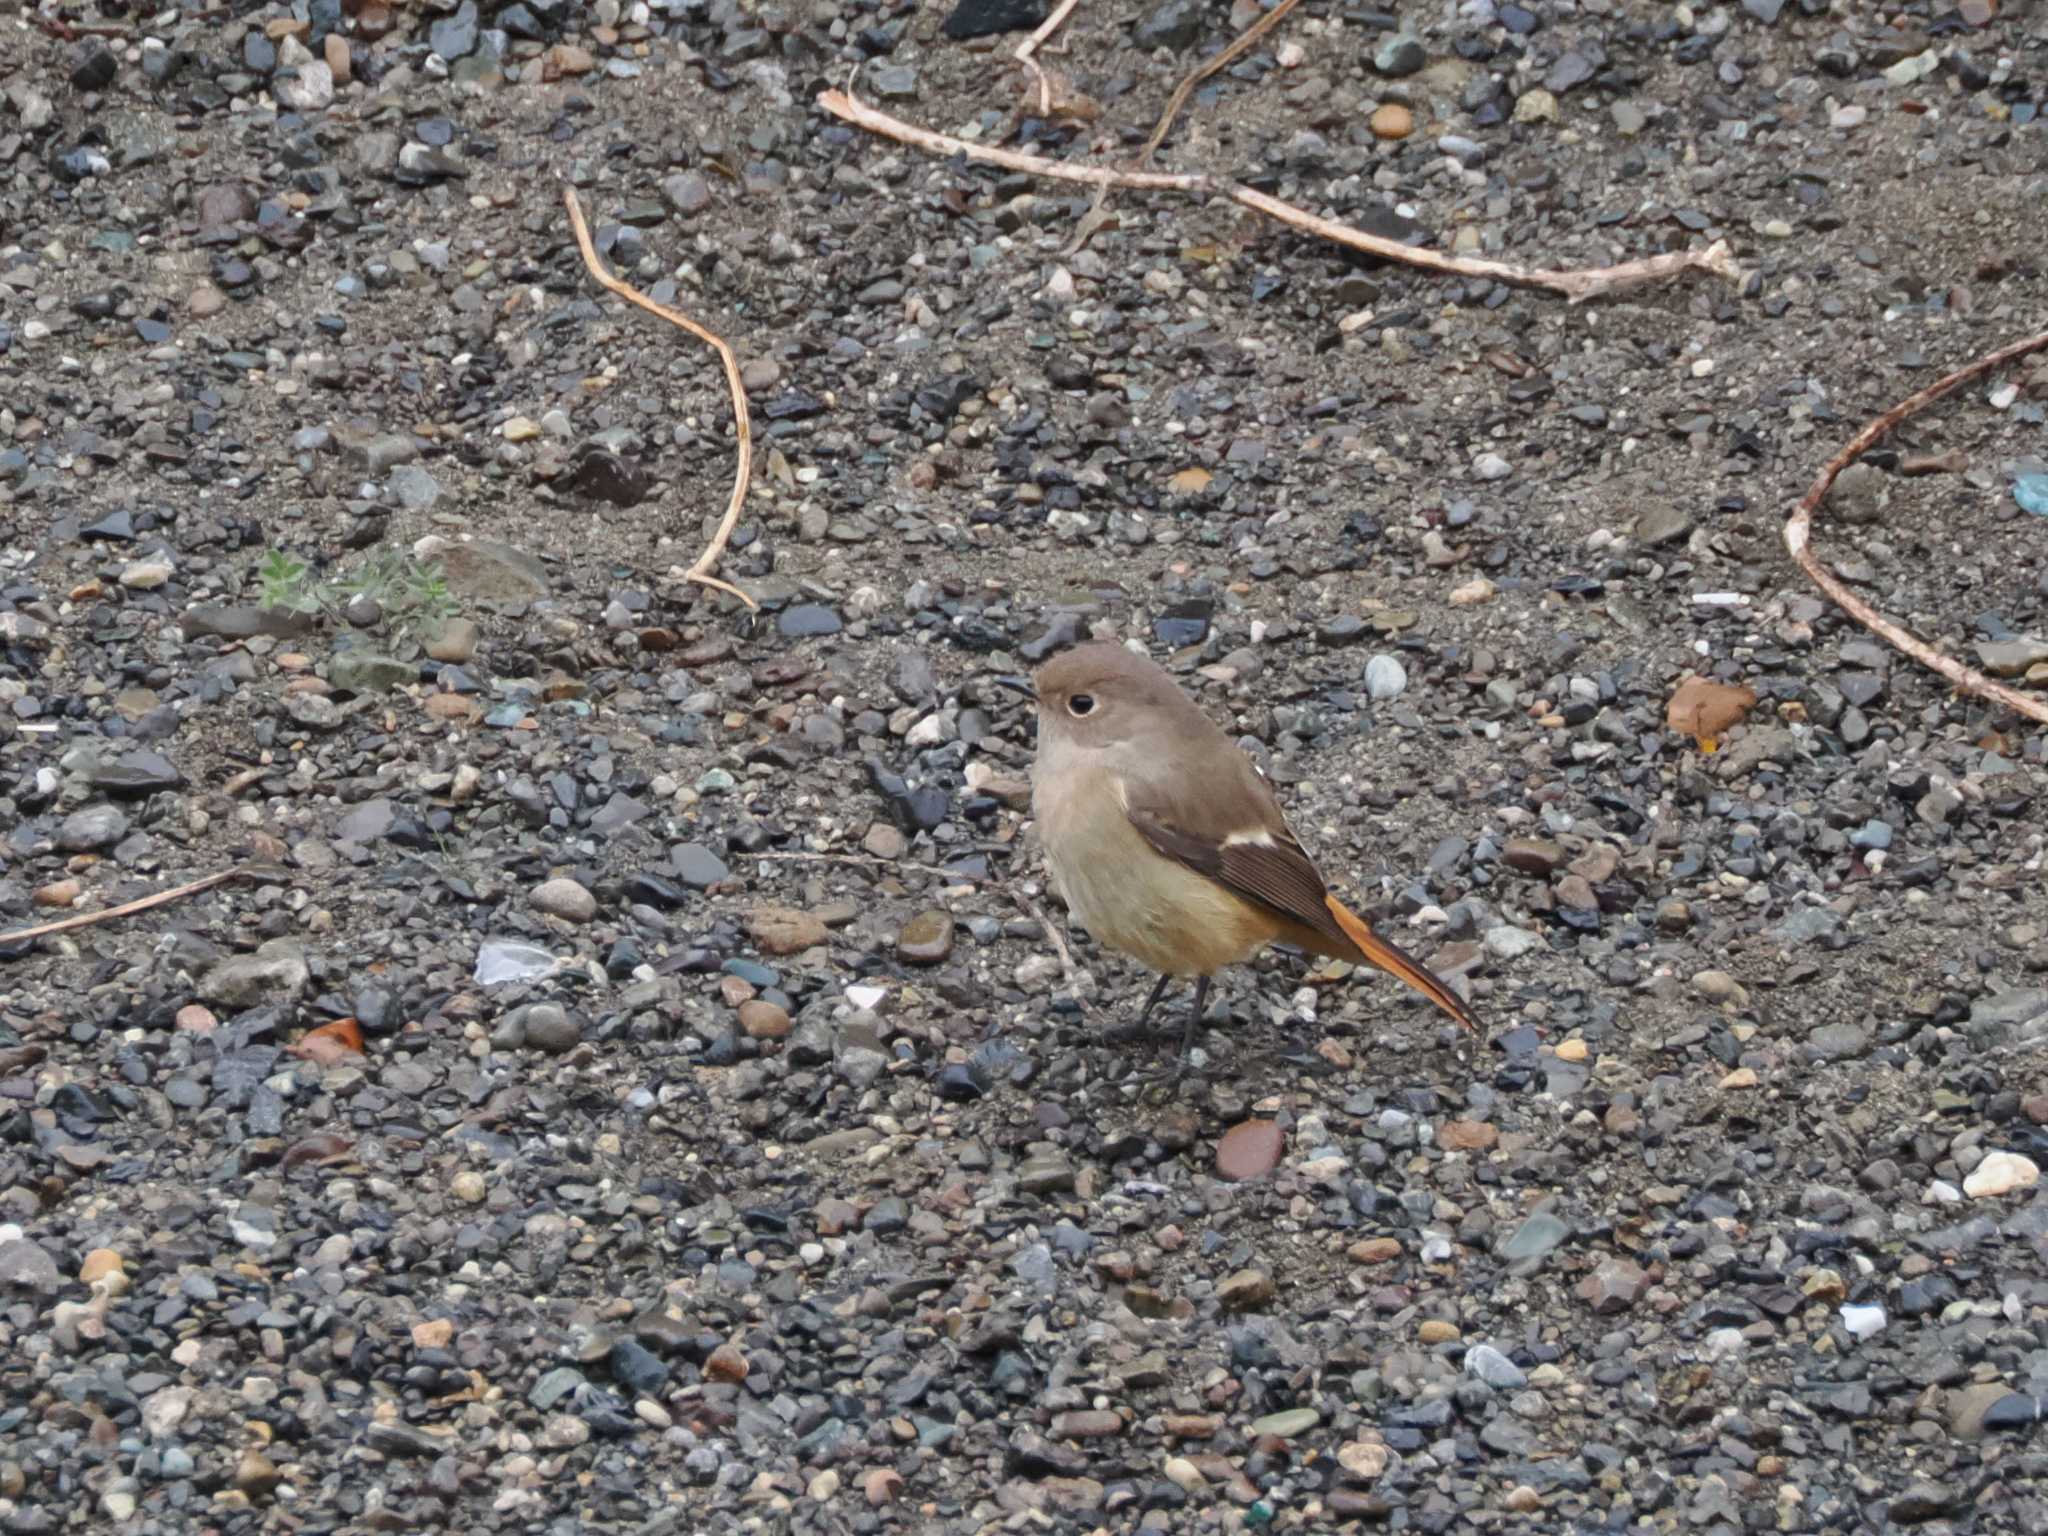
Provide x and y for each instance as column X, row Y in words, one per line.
column 1249, row 1150
column 763, row 1020
column 726, row 1363
column 1467, row 1136
column 784, row 930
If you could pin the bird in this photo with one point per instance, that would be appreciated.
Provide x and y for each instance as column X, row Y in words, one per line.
column 1169, row 844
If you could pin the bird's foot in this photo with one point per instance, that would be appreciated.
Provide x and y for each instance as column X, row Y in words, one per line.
column 1139, row 1032
column 1170, row 1075
column 1161, row 1086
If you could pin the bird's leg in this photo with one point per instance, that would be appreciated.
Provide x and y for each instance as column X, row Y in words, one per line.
column 1152, row 1002
column 1194, row 1023
column 1170, row 1076
column 1137, row 1031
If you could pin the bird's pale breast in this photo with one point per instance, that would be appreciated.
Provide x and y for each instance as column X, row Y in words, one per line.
column 1125, row 893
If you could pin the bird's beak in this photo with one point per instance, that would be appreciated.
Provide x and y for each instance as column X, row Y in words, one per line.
column 1017, row 685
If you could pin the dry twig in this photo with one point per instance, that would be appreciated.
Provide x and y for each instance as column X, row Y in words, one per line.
column 1799, row 537
column 127, row 908
column 72, row 31
column 865, row 861
column 1237, row 48
column 1093, row 218
column 1030, row 45
column 1068, row 970
column 742, row 426
column 1576, row 284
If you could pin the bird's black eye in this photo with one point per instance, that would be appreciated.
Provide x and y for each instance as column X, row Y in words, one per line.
column 1081, row 704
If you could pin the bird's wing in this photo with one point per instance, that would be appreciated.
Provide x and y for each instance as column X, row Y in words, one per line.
column 1257, row 857
column 1264, row 862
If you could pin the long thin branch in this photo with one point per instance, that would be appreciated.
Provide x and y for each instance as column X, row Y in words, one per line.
column 127, row 908
column 742, row 426
column 1030, row 45
column 72, row 31
column 1799, row 537
column 1576, row 284
column 864, row 861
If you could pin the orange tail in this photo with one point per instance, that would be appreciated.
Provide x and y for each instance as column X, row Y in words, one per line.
column 1379, row 952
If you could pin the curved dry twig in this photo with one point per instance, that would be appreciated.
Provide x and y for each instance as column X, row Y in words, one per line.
column 1799, row 537
column 1576, row 284
column 1235, row 50
column 742, row 426
column 1031, row 44
column 1095, row 217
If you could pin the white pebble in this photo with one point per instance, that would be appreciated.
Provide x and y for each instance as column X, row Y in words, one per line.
column 1385, row 678
column 1491, row 466
column 146, row 575
column 2000, row 1174
column 1725, row 1344
column 1507, row 941
column 1863, row 1322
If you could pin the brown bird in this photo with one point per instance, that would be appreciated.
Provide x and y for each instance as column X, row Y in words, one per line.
column 1169, row 844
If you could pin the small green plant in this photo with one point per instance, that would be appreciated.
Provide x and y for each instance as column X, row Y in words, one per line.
column 287, row 583
column 413, row 593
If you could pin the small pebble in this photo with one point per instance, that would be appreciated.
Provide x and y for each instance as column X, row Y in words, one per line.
column 564, row 898
column 1391, row 120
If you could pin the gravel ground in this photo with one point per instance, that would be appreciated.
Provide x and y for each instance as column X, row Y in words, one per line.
column 542, row 1141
